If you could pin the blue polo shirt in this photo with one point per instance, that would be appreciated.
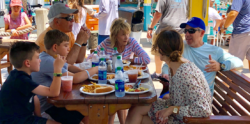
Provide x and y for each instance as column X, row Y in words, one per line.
column 16, row 97
column 242, row 21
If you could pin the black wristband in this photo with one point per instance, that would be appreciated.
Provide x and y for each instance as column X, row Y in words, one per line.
column 84, row 44
column 150, row 28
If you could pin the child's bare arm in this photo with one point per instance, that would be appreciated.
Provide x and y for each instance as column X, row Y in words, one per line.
column 37, row 111
column 55, row 86
column 83, row 75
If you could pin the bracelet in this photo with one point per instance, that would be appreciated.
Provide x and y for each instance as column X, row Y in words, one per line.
column 84, row 44
column 78, row 44
column 88, row 73
column 150, row 28
column 57, row 74
column 12, row 30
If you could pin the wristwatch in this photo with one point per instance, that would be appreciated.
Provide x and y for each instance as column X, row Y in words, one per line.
column 57, row 74
column 222, row 66
column 176, row 109
column 84, row 44
column 150, row 28
column 224, row 27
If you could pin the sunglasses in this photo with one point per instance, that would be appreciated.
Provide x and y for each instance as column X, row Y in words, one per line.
column 191, row 30
column 69, row 18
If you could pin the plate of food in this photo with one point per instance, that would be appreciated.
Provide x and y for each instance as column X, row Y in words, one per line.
column 143, row 88
column 97, row 89
column 141, row 75
column 143, row 68
column 109, row 76
column 126, row 62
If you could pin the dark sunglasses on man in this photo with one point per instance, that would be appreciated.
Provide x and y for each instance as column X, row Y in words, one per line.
column 191, row 30
column 69, row 18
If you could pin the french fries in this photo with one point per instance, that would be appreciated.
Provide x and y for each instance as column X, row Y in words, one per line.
column 90, row 88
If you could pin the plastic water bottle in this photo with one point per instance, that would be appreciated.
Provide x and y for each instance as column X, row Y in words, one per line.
column 95, row 59
column 115, row 50
column 114, row 57
column 119, row 83
column 118, row 63
column 102, row 55
column 102, row 72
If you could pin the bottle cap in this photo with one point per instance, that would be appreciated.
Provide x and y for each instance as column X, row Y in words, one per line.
column 118, row 57
column 95, row 52
column 115, row 48
column 102, row 49
column 102, row 59
column 119, row 68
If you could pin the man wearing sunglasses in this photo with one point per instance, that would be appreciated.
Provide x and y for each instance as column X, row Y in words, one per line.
column 208, row 58
column 61, row 18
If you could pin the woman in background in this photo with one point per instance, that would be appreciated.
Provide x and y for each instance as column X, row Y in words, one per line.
column 80, row 17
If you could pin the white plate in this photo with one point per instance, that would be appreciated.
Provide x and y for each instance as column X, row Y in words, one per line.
column 127, row 64
column 141, row 85
column 145, row 75
column 97, row 75
column 139, row 66
column 95, row 94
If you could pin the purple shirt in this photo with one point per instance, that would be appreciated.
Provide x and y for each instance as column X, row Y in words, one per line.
column 242, row 22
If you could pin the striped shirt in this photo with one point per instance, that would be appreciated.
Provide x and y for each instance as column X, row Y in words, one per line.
column 132, row 47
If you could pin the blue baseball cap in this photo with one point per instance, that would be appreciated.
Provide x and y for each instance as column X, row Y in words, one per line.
column 194, row 22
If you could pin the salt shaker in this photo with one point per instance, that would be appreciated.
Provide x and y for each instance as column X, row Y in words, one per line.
column 109, row 66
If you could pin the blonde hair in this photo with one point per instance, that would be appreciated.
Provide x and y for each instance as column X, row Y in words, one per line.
column 118, row 25
column 77, row 4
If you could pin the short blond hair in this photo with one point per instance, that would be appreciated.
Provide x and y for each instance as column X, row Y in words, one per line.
column 118, row 25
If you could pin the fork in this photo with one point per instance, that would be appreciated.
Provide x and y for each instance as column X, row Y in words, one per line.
column 136, row 85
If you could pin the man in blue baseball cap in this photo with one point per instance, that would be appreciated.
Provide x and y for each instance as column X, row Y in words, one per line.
column 208, row 58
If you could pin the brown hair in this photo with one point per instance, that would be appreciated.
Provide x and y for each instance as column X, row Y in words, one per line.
column 22, row 50
column 54, row 37
column 77, row 4
column 169, row 43
column 118, row 25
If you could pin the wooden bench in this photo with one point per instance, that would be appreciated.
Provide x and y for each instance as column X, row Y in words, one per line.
column 231, row 100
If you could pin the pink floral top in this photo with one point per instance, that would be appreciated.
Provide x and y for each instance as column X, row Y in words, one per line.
column 13, row 24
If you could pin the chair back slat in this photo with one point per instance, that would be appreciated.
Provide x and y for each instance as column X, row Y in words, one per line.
column 229, row 85
column 240, row 80
column 221, row 110
column 234, row 86
column 225, row 105
column 229, row 100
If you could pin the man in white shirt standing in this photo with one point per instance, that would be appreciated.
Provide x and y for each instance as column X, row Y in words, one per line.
column 108, row 11
column 214, row 16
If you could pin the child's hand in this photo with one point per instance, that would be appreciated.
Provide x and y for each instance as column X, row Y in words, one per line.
column 15, row 33
column 59, row 62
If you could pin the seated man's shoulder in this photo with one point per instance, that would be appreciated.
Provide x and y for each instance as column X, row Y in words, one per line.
column 40, row 38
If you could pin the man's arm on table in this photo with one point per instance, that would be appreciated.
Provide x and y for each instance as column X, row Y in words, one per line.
column 77, row 53
column 230, row 61
column 73, row 69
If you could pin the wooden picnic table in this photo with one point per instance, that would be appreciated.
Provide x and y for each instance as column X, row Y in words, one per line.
column 4, row 50
column 98, row 108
